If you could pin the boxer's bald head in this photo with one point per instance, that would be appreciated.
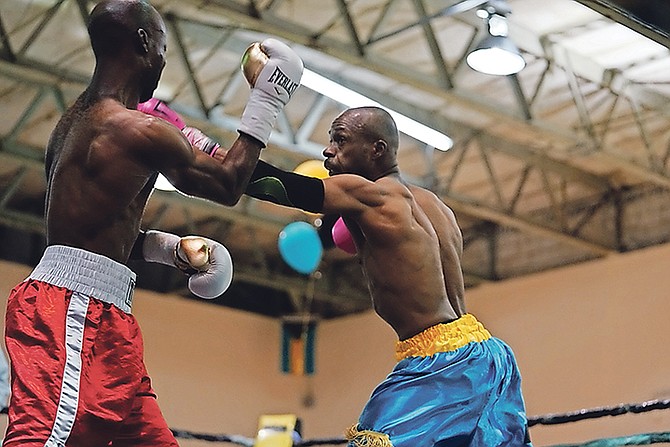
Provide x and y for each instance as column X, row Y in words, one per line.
column 114, row 23
column 131, row 31
column 364, row 141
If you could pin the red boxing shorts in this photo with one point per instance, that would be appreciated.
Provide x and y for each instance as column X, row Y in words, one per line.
column 77, row 358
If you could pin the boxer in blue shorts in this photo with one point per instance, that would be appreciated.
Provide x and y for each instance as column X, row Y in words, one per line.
column 464, row 390
column 454, row 384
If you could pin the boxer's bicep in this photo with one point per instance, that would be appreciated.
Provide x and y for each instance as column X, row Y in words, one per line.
column 162, row 146
column 350, row 194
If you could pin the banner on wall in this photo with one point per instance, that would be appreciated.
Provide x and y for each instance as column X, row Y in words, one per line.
column 298, row 335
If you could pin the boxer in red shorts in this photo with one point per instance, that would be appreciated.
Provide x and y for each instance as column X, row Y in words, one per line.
column 76, row 351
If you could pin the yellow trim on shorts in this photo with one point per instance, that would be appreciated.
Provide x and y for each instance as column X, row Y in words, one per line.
column 443, row 337
column 366, row 438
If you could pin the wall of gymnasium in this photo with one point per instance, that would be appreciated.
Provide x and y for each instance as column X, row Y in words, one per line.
column 585, row 336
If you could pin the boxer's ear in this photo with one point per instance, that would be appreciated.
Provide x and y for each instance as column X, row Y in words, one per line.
column 143, row 40
column 379, row 148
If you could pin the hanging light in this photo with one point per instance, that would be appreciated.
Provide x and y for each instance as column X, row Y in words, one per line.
column 496, row 54
column 350, row 98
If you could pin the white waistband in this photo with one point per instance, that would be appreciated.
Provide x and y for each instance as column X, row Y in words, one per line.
column 88, row 273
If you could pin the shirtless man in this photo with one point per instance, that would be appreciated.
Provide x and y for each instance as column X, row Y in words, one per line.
column 454, row 385
column 76, row 351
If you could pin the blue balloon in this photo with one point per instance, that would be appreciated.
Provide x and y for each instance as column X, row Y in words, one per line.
column 300, row 246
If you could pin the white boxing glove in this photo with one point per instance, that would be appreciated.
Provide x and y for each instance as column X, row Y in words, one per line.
column 273, row 71
column 207, row 263
column 215, row 274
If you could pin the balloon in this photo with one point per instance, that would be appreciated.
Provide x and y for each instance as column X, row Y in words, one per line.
column 312, row 168
column 300, row 246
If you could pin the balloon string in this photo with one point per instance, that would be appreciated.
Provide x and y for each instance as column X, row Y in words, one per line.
column 309, row 299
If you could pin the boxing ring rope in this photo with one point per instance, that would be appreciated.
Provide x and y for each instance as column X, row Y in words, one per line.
column 549, row 419
column 232, row 439
column 642, row 439
column 552, row 419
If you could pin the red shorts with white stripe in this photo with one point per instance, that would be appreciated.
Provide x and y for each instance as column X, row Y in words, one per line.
column 78, row 374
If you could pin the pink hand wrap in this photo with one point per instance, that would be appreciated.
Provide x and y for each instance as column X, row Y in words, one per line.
column 200, row 140
column 156, row 107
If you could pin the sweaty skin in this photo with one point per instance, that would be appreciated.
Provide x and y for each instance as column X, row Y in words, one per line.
column 76, row 351
column 454, row 384
column 408, row 240
column 104, row 156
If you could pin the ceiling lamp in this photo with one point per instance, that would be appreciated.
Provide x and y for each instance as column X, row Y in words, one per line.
column 350, row 98
column 496, row 54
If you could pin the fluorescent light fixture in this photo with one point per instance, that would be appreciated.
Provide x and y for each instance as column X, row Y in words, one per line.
column 350, row 98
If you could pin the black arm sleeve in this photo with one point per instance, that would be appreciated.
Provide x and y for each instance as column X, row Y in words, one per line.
column 286, row 188
column 137, row 253
column 325, row 231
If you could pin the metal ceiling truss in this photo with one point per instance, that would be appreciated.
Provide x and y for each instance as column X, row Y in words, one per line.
column 572, row 208
column 611, row 85
column 624, row 15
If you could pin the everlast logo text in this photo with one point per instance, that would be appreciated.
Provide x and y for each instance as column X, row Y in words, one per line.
column 279, row 78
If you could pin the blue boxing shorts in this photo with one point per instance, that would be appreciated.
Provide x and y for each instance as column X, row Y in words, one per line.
column 454, row 386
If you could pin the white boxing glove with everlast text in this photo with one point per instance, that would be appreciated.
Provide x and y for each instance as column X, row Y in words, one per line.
column 207, row 263
column 273, row 70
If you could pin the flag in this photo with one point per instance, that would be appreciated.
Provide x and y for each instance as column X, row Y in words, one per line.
column 298, row 334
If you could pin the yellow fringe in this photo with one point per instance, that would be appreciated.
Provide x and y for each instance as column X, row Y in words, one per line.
column 366, row 438
column 443, row 337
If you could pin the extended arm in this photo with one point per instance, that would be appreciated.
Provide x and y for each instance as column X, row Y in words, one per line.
column 345, row 194
column 286, row 188
column 309, row 193
column 273, row 71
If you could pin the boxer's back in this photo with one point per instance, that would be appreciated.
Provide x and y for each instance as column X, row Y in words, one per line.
column 411, row 257
column 97, row 189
